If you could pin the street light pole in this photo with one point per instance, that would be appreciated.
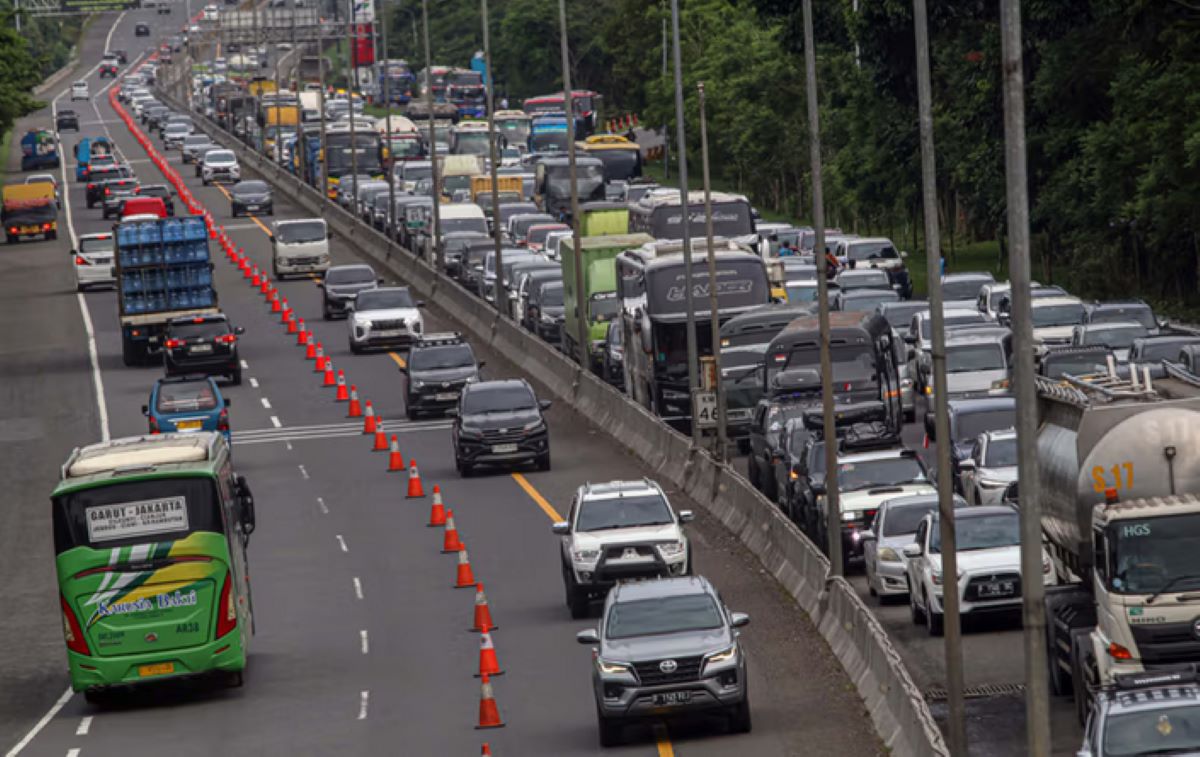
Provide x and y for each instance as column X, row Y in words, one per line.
column 1033, row 593
column 493, row 152
column 957, row 719
column 434, row 258
column 833, row 516
column 324, row 153
column 714, row 313
column 351, row 51
column 569, row 103
column 685, row 220
column 385, row 86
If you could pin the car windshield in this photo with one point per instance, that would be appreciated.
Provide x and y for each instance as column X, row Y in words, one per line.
column 950, row 318
column 1139, row 313
column 192, row 140
column 801, row 291
column 968, row 358
column 450, row 225
column 872, row 251
column 981, row 532
column 355, row 275
column 303, row 232
column 219, row 156
column 1157, row 730
column 623, row 512
column 904, row 520
column 1117, row 338
column 962, row 289
column 890, row 471
column 251, row 187
column 441, row 357
column 499, row 399
column 552, row 296
column 1057, row 315
column 186, row 397
column 383, row 299
column 863, row 280
column 537, row 234
column 1001, row 453
column 970, row 425
column 96, row 245
column 662, row 615
column 868, row 299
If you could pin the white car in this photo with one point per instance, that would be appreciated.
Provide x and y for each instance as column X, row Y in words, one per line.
column 299, row 246
column 989, row 565
column 985, row 474
column 620, row 530
column 94, row 261
column 384, row 317
column 210, row 13
column 1054, row 319
column 219, row 165
column 79, row 90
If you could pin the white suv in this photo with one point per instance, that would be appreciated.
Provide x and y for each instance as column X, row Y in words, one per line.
column 219, row 165
column 79, row 90
column 384, row 317
column 616, row 531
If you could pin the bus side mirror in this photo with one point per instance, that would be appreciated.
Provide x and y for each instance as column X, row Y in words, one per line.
column 245, row 504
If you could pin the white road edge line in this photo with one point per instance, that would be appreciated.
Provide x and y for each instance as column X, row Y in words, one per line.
column 342, row 543
column 366, row 647
column 276, row 422
column 84, row 726
column 358, row 590
column 266, row 403
column 37, row 728
column 362, row 707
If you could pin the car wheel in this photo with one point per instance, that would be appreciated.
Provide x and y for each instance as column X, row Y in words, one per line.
column 235, row 378
column 543, row 461
column 739, row 717
column 234, row 679
column 753, row 474
column 410, row 411
column 610, row 729
column 325, row 314
column 233, row 211
column 933, row 620
column 918, row 615
column 355, row 348
column 96, row 697
column 464, row 468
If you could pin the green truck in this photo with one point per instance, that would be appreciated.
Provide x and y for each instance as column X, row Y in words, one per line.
column 599, row 292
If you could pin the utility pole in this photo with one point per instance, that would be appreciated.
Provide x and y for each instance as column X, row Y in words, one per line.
column 957, row 718
column 833, row 515
column 385, row 86
column 351, row 50
column 434, row 257
column 714, row 313
column 1033, row 593
column 685, row 219
column 569, row 103
column 493, row 153
column 666, row 132
column 324, row 147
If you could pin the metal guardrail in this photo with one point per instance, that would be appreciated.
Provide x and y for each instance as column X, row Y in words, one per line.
column 896, row 705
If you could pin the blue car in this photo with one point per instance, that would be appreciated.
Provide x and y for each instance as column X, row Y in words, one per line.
column 187, row 403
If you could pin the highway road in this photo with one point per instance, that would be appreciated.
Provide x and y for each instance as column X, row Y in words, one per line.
column 362, row 646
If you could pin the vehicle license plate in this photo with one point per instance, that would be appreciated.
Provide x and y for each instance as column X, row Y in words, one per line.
column 189, row 425
column 157, row 669
column 501, row 449
column 672, row 698
column 251, row 207
column 197, row 348
column 997, row 589
column 390, row 333
column 445, row 397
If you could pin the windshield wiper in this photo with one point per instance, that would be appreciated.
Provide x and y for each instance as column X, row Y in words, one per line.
column 1172, row 750
column 1169, row 584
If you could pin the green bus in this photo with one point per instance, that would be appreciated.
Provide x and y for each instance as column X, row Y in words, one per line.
column 150, row 538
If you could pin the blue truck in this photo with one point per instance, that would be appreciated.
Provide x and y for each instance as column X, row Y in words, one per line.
column 163, row 271
column 39, row 150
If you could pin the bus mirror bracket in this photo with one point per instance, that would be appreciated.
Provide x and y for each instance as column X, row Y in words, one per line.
column 245, row 505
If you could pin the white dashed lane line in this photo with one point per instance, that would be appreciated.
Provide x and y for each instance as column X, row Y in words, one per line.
column 303, row 471
column 358, row 588
column 362, row 707
column 276, row 422
column 84, row 726
column 366, row 647
column 253, row 382
column 321, row 504
column 266, row 403
column 342, row 543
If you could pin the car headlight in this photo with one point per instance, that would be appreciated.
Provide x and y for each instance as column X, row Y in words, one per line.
column 585, row 555
column 547, row 318
column 470, row 431
column 672, row 549
column 472, row 379
column 849, row 515
column 906, row 383
column 887, row 554
column 417, row 385
column 721, row 657
column 612, row 668
column 988, row 483
column 1047, row 566
column 532, row 425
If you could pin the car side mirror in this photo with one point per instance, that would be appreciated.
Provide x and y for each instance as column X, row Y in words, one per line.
column 481, row 363
column 271, row 237
column 239, row 330
column 227, row 402
column 966, row 464
column 912, row 550
column 420, row 303
column 930, row 427
column 329, row 234
column 562, row 528
column 544, row 404
column 245, row 504
column 903, row 254
column 738, row 619
column 145, row 410
column 73, row 252
column 452, row 412
column 320, row 284
column 589, row 636
column 867, row 535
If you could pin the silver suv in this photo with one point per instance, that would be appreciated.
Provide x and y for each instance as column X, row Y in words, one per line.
column 1154, row 712
column 619, row 530
column 667, row 647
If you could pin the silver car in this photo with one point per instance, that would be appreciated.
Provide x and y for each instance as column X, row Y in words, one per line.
column 666, row 646
column 1154, row 712
column 990, row 468
column 883, row 556
column 977, row 365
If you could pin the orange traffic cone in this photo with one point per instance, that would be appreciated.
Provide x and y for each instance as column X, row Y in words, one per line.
column 330, row 378
column 465, row 578
column 488, row 664
column 276, row 304
column 381, row 443
column 286, row 311
column 355, row 410
column 487, row 750
column 320, row 365
column 437, row 513
column 369, row 419
column 292, row 325
column 264, row 286
column 311, row 352
column 256, row 280
column 483, row 614
column 342, row 394
column 450, row 542
column 302, row 336
column 415, row 489
column 489, row 714
column 395, row 459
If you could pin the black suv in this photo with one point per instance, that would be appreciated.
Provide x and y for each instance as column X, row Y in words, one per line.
column 500, row 423
column 66, row 119
column 342, row 283
column 438, row 367
column 204, row 344
column 161, row 191
column 141, row 30
column 122, row 56
column 792, row 392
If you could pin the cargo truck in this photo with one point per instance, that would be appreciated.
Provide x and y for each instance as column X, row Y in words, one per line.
column 1116, row 455
column 163, row 271
column 481, row 189
column 29, row 210
column 599, row 292
column 39, row 149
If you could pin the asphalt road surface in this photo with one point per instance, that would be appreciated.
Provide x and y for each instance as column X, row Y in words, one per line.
column 362, row 646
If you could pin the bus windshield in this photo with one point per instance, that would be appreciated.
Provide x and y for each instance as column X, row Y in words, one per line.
column 619, row 165
column 136, row 512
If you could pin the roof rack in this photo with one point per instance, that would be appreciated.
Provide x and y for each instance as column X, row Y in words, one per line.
column 1099, row 388
column 440, row 337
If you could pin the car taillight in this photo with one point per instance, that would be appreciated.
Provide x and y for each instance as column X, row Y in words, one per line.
column 227, row 612
column 72, row 632
column 107, row 191
column 80, row 260
column 90, row 184
column 223, row 421
column 227, row 338
column 154, row 429
column 47, row 226
column 173, row 343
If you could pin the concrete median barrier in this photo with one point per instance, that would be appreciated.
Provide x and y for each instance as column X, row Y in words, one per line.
column 894, row 702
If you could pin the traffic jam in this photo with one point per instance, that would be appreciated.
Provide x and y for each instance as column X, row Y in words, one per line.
column 152, row 529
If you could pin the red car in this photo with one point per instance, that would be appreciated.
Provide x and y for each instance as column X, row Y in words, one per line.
column 144, row 207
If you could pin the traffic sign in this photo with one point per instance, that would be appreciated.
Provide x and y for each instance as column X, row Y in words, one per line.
column 704, row 409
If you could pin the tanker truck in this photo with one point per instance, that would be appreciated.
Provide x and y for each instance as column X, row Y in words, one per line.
column 1120, row 499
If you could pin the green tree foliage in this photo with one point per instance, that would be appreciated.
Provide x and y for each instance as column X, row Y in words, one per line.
column 19, row 73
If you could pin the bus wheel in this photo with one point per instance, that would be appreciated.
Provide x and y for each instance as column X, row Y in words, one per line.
column 96, row 697
column 234, row 679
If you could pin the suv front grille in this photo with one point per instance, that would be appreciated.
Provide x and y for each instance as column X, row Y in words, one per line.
column 396, row 325
column 651, row 674
column 618, row 552
column 495, row 435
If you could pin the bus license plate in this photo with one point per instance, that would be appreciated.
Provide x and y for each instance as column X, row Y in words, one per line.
column 994, row 589
column 501, row 449
column 157, row 669
column 672, row 698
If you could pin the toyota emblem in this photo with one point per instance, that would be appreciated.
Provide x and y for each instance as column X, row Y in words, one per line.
column 1196, row 628
column 668, row 666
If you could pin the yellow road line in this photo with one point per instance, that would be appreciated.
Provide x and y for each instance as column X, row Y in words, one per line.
column 399, row 360
column 537, row 497
column 664, row 746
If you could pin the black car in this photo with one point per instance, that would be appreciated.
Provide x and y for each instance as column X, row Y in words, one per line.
column 162, row 191
column 546, row 309
column 614, row 356
column 500, row 423
column 204, row 344
column 116, row 191
column 97, row 179
column 436, row 370
column 141, row 30
column 342, row 284
column 968, row 419
column 109, row 70
column 122, row 56
column 251, row 196
column 66, row 119
column 790, row 464
column 792, row 392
